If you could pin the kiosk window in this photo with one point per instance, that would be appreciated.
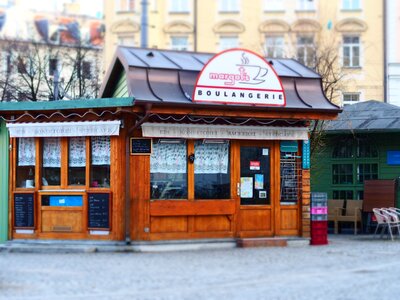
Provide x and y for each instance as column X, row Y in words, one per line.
column 51, row 156
column 100, row 161
column 211, row 170
column 168, row 170
column 76, row 161
column 26, row 158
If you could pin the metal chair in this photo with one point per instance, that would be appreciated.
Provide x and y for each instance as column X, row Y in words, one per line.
column 382, row 221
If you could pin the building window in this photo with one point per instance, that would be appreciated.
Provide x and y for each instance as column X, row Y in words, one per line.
column 365, row 149
column 306, row 50
column 344, row 195
column 179, row 6
column 86, row 70
column 179, row 43
column 100, row 161
column 126, row 40
column 351, row 4
column 228, row 42
column 168, row 169
column 274, row 46
column 53, row 65
column 211, row 170
column 273, row 5
column 351, row 51
column 343, row 149
column 351, row 98
column 6, row 62
column 306, row 4
column 125, row 5
column 229, row 5
column 342, row 173
column 366, row 172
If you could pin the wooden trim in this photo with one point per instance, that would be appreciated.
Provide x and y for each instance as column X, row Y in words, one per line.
column 64, row 162
column 192, row 208
column 264, row 114
column 190, row 170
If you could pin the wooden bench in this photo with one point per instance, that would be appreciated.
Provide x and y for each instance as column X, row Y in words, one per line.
column 352, row 213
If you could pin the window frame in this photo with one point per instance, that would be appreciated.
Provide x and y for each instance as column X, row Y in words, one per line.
column 351, row 48
column 349, row 102
column 229, row 6
column 273, row 5
column 125, row 5
column 179, row 47
column 64, row 172
column 179, row 6
column 228, row 45
column 305, row 5
column 190, row 174
column 350, row 5
column 308, row 49
column 275, row 47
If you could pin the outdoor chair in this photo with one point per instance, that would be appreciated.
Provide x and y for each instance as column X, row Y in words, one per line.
column 335, row 207
column 352, row 213
column 393, row 219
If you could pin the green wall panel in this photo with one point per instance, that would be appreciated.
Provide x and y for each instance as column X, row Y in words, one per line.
column 321, row 163
column 4, row 163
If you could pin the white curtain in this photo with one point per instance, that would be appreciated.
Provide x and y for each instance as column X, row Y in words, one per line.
column 101, row 150
column 26, row 152
column 77, row 152
column 52, row 152
column 168, row 158
column 211, row 158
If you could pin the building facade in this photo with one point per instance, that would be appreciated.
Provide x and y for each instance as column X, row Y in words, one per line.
column 49, row 55
column 348, row 33
column 392, row 52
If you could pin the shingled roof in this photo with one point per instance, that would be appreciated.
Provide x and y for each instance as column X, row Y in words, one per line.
column 168, row 77
column 368, row 116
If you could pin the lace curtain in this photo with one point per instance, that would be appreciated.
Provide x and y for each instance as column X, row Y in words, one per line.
column 77, row 152
column 26, row 152
column 168, row 158
column 101, row 150
column 211, row 158
column 51, row 152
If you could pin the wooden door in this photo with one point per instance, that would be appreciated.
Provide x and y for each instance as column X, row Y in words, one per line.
column 256, row 189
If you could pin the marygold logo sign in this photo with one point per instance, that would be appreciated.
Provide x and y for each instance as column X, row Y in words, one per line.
column 239, row 76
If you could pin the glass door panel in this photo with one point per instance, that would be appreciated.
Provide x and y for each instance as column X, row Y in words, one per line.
column 255, row 185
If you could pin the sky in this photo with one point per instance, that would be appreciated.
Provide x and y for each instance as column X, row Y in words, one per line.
column 88, row 7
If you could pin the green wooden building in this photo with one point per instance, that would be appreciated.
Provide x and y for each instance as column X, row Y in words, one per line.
column 362, row 144
column 4, row 163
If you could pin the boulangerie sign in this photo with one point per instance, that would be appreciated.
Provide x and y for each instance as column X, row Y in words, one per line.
column 239, row 76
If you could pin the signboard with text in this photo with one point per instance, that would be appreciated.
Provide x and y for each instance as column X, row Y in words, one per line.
column 239, row 76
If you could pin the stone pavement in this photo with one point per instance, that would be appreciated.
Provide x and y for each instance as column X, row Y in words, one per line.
column 350, row 267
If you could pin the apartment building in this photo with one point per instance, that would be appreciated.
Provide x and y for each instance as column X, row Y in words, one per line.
column 351, row 30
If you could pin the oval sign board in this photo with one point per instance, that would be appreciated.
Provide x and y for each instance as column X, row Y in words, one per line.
column 239, row 76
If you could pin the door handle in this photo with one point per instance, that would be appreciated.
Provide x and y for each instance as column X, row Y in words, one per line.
column 238, row 189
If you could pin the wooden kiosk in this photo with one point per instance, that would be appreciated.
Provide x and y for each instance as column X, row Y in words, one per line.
column 183, row 146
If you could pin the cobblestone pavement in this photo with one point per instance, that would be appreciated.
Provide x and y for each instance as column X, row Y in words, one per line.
column 348, row 268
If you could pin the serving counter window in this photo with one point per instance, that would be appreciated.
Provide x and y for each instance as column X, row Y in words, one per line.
column 168, row 170
column 100, row 161
column 77, row 161
column 211, row 170
column 51, row 157
column 26, row 160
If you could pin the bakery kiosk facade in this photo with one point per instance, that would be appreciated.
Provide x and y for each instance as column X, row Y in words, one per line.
column 211, row 146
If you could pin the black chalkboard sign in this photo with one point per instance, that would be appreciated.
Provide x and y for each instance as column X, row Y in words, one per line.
column 24, row 210
column 141, row 146
column 99, row 210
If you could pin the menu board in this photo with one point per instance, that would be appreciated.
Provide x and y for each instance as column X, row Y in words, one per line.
column 98, row 210
column 141, row 146
column 24, row 210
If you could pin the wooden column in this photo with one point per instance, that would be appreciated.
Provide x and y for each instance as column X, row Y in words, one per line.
column 305, row 204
